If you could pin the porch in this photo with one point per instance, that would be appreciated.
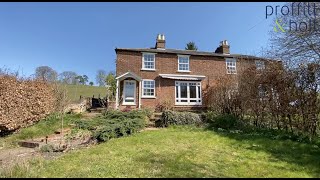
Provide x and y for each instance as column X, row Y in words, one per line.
column 128, row 93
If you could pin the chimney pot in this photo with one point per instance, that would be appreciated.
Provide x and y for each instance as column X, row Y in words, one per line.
column 224, row 47
column 160, row 43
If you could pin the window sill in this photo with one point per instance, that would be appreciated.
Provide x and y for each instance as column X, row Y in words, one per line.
column 147, row 69
column 183, row 71
column 181, row 104
column 148, row 97
column 128, row 104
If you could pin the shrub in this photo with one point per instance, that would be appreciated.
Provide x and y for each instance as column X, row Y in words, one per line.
column 142, row 114
column 165, row 105
column 148, row 112
column 118, row 128
column 47, row 148
column 208, row 116
column 179, row 118
column 115, row 114
column 224, row 121
column 114, row 124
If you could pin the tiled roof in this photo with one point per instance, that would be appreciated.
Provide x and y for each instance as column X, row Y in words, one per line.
column 188, row 52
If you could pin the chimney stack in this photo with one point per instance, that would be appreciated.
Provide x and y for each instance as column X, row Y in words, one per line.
column 161, row 42
column 224, row 48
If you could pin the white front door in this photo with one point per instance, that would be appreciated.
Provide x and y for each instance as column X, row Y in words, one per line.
column 129, row 92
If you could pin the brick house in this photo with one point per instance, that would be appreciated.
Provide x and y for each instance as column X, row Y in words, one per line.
column 147, row 76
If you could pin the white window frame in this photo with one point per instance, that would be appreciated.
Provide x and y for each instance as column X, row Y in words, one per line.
column 185, row 56
column 261, row 63
column 188, row 103
column 231, row 60
column 154, row 62
column 124, row 93
column 154, row 89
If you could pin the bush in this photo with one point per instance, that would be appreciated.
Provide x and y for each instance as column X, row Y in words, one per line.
column 208, row 116
column 47, row 148
column 115, row 114
column 114, row 124
column 148, row 112
column 224, row 121
column 179, row 118
column 141, row 114
column 164, row 105
column 117, row 128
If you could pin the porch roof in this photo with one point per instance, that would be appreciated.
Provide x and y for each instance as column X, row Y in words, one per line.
column 183, row 77
column 129, row 74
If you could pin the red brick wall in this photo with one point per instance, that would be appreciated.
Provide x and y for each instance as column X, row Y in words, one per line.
column 209, row 66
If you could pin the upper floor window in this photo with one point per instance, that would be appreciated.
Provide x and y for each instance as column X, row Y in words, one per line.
column 183, row 63
column 231, row 66
column 260, row 65
column 148, row 61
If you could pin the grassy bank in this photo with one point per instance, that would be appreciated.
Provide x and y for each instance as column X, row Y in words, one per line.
column 42, row 128
column 75, row 91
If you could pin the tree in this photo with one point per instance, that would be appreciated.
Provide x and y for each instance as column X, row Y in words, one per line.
column 295, row 44
column 68, row 77
column 91, row 83
column 191, row 46
column 296, row 41
column 85, row 79
column 80, row 79
column 111, row 85
column 100, row 77
column 46, row 73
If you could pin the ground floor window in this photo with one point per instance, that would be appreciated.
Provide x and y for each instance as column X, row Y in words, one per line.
column 188, row 93
column 148, row 88
column 129, row 92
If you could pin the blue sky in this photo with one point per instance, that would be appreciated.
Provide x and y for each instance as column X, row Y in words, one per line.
column 81, row 37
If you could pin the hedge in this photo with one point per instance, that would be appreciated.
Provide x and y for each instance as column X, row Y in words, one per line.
column 179, row 118
column 23, row 102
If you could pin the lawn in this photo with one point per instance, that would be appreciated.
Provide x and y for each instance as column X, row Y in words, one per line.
column 183, row 152
column 75, row 91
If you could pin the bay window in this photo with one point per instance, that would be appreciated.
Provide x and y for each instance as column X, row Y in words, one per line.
column 188, row 93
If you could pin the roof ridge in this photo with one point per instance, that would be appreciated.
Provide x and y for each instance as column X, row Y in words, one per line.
column 189, row 52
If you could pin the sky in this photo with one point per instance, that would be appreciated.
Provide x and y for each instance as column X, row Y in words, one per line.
column 81, row 37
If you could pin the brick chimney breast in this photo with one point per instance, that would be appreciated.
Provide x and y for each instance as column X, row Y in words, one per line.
column 224, row 48
column 161, row 42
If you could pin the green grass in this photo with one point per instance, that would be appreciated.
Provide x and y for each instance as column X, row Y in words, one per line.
column 42, row 128
column 74, row 91
column 182, row 152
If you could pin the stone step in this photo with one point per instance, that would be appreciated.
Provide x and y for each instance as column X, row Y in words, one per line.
column 97, row 110
column 154, row 119
column 151, row 125
column 64, row 131
column 157, row 114
column 28, row 144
